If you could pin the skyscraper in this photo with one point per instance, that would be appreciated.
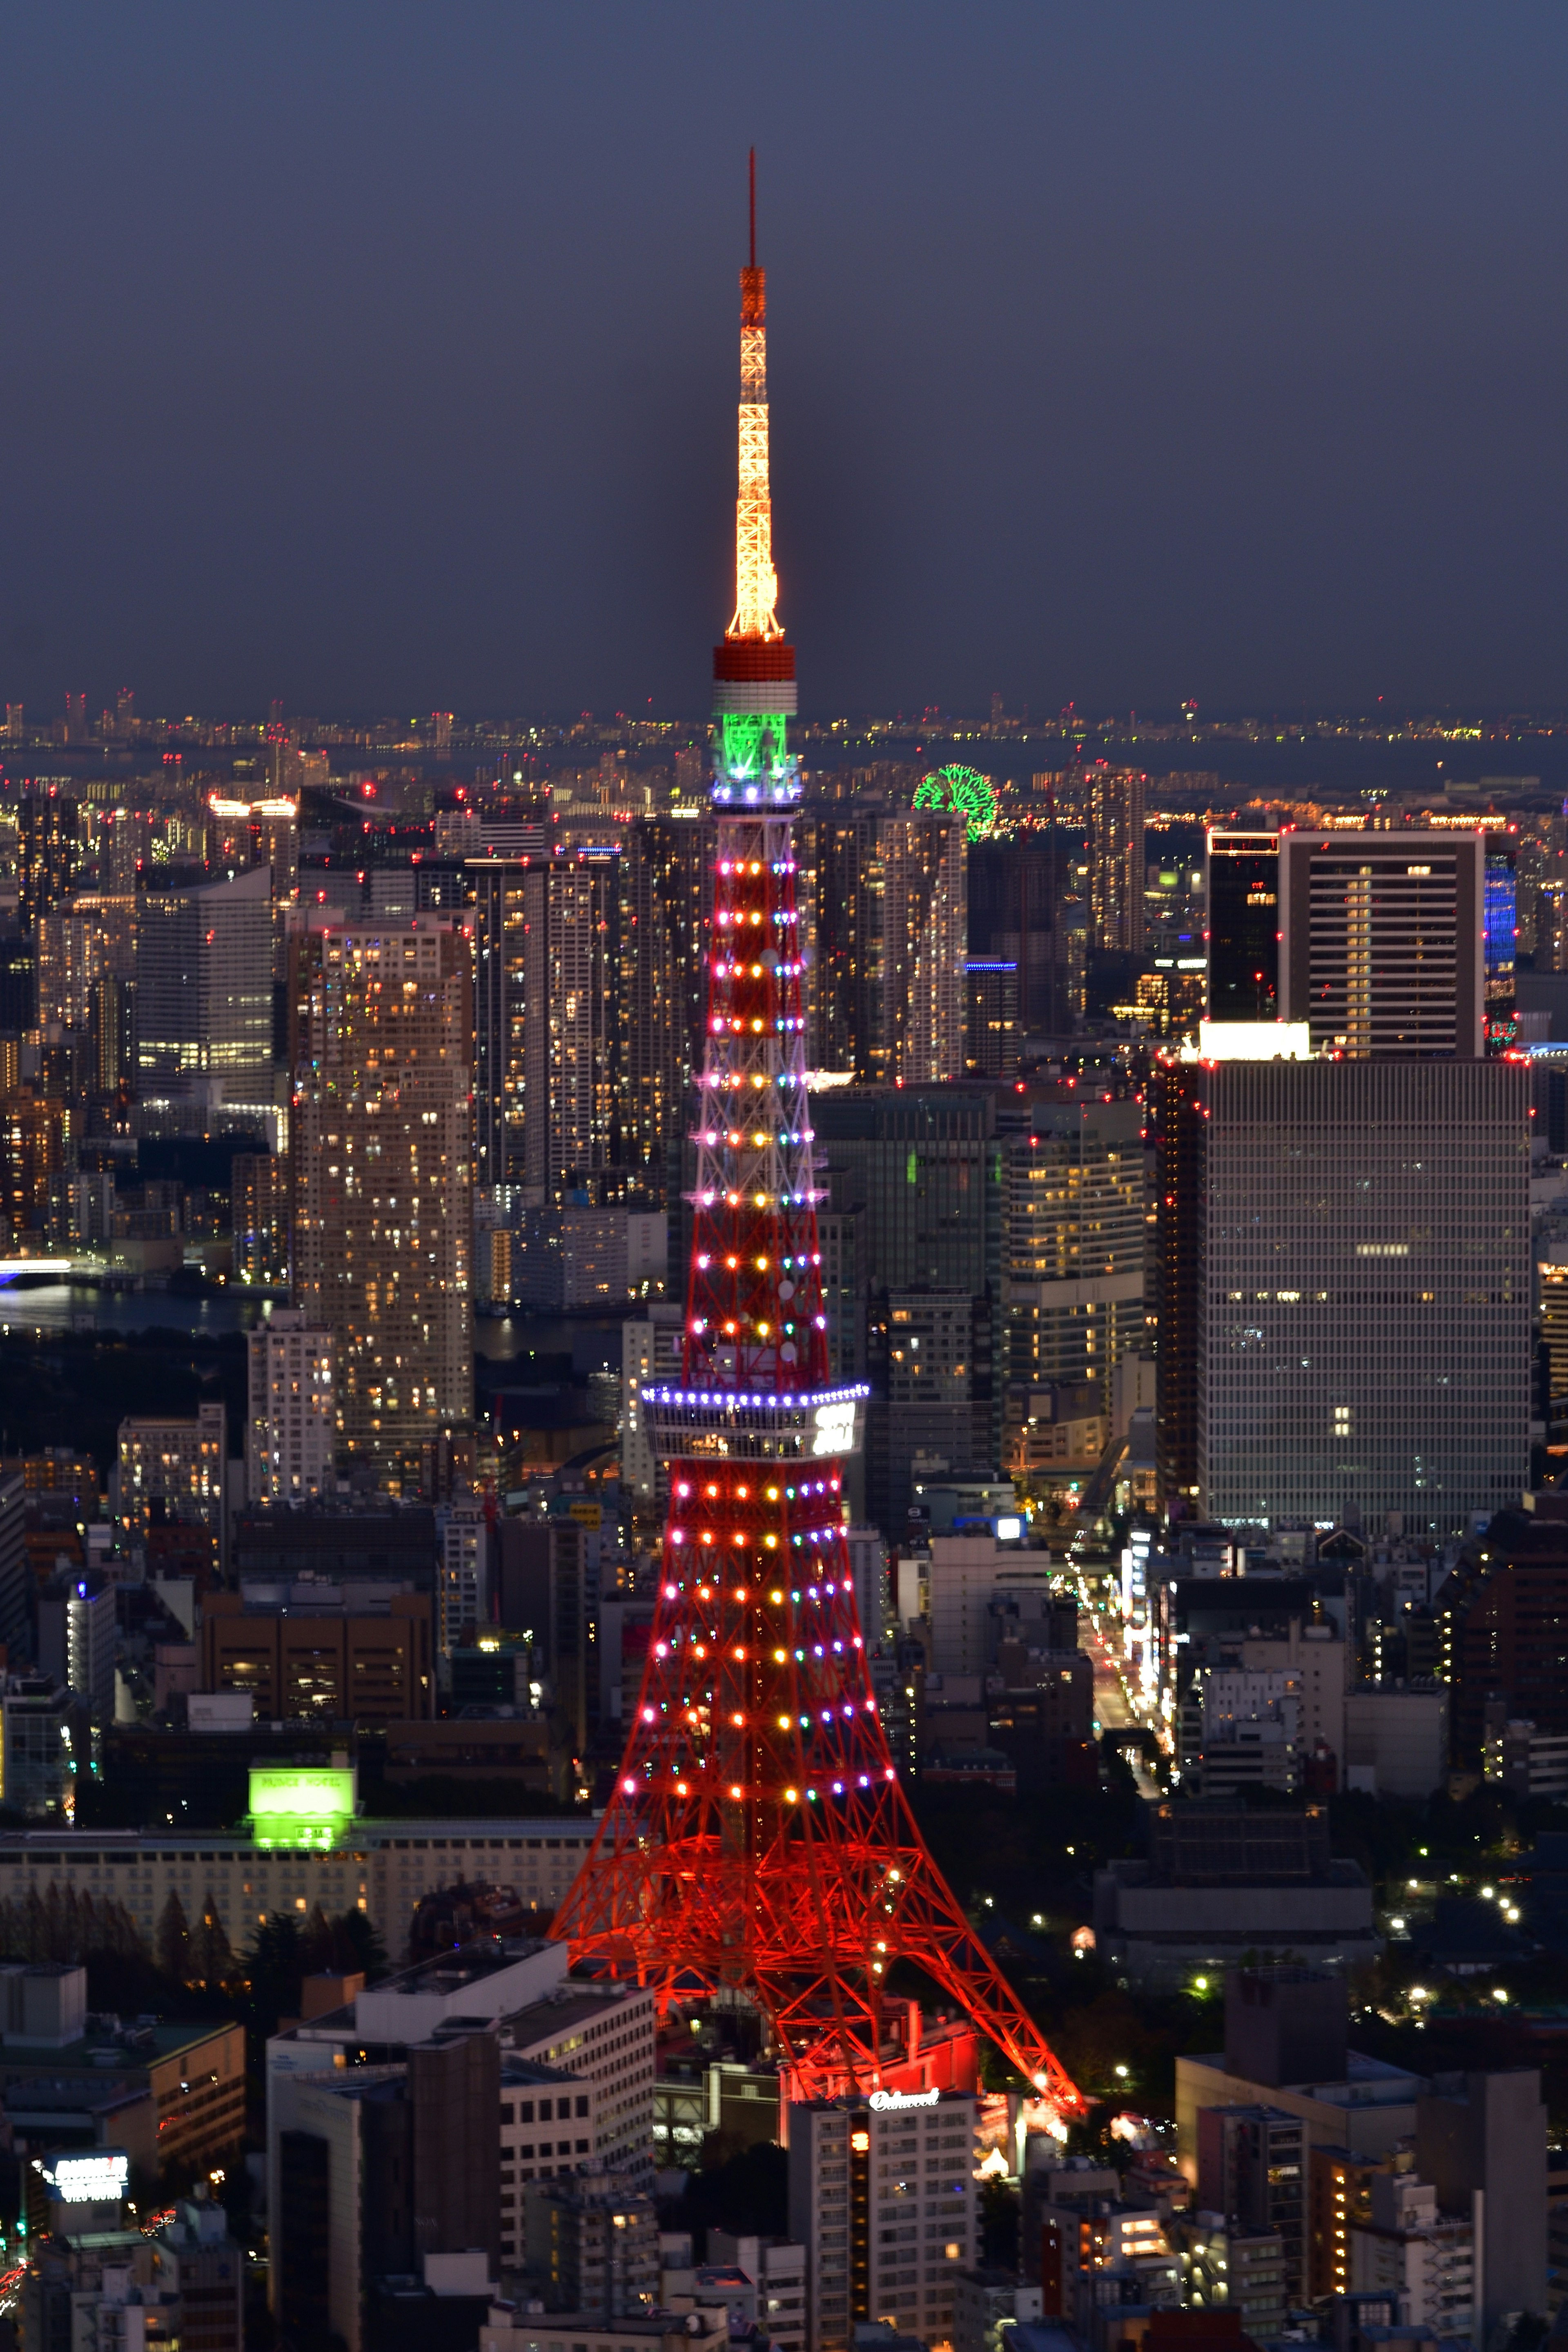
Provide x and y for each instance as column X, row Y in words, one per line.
column 48, row 853
column 548, row 1034
column 1116, row 859
column 891, row 924
column 1244, row 925
column 204, row 990
column 1074, row 1242
column 1383, row 941
column 382, row 1178
column 666, row 904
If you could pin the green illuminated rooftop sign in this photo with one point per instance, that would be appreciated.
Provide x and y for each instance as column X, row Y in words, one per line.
column 300, row 1804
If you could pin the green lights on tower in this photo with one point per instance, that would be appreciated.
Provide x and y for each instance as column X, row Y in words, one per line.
column 965, row 790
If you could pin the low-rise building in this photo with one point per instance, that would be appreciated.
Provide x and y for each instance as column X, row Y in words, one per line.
column 1218, row 1883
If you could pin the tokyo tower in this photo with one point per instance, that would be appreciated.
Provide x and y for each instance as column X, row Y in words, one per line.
column 758, row 1839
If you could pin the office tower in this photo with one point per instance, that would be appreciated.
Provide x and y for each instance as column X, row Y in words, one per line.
column 85, row 941
column 1116, row 859
column 992, row 1031
column 78, row 1635
column 258, row 1210
column 462, row 1576
column 547, row 1031
column 1383, row 941
column 204, row 990
column 1243, row 902
column 125, row 714
column 756, row 1837
column 382, row 1180
column 666, row 873
column 881, row 2195
column 15, row 722
column 48, row 853
column 923, row 1165
column 291, row 1429
column 1345, row 1289
column 1074, row 1242
column 891, row 922
column 251, row 832
column 1020, row 911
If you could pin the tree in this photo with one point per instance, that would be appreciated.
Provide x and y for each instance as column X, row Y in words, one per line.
column 174, row 1940
column 212, row 1955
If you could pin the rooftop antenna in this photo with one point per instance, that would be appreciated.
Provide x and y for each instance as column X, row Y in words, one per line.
column 752, row 173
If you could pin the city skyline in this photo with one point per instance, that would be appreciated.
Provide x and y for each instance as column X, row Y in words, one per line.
column 1125, row 364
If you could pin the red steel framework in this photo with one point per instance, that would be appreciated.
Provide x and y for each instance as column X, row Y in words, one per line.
column 758, row 1838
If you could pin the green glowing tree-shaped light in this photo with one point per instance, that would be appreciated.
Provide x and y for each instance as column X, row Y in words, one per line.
column 964, row 789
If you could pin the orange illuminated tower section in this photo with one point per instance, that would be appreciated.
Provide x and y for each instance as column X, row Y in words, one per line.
column 758, row 1838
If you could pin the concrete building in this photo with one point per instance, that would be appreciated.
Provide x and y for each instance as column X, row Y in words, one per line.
column 667, row 886
column 463, row 1581
column 1396, row 1739
column 291, row 1430
column 591, row 2241
column 1344, row 1289
column 78, row 1636
column 568, row 2071
column 343, row 1863
column 966, row 1575
column 1074, row 1240
column 1286, row 2052
column 1216, row 1885
column 381, row 1180
column 881, row 2195
column 353, row 1650
column 47, row 1744
column 1425, row 2259
column 259, row 1218
column 178, row 1464
column 1481, row 2140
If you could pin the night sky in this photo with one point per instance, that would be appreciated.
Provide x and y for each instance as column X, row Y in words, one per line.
column 383, row 358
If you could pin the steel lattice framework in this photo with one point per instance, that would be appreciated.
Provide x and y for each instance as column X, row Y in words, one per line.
column 758, row 1837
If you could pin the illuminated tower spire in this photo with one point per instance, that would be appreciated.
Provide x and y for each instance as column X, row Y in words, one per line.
column 754, row 669
column 758, row 1840
column 756, row 582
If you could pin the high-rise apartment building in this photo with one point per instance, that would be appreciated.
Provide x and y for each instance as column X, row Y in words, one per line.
column 258, row 1210
column 890, row 902
column 666, row 902
column 1344, row 1295
column 382, row 1178
column 49, row 852
column 204, row 988
column 291, row 1429
column 548, row 1039
column 82, row 942
column 1116, row 797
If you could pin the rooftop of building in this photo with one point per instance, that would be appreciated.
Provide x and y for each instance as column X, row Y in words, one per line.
column 108, row 2048
column 79, row 1846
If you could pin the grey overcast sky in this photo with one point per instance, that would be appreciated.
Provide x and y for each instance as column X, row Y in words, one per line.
column 382, row 357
